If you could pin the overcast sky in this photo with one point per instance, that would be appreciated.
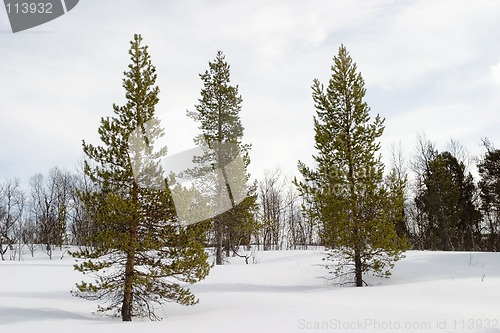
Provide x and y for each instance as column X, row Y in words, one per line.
column 430, row 67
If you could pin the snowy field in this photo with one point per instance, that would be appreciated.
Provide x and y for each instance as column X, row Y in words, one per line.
column 282, row 292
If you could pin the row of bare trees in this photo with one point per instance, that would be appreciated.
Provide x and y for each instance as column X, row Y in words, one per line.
column 46, row 214
column 281, row 222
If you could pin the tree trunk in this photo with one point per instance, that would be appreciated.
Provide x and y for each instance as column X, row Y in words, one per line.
column 358, row 270
column 218, row 241
column 127, row 294
column 130, row 265
column 227, row 242
column 129, row 275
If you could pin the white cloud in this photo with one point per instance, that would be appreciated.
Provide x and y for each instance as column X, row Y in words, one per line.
column 495, row 72
column 404, row 44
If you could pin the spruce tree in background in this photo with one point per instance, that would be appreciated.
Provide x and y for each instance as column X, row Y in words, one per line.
column 345, row 191
column 218, row 114
column 140, row 257
column 447, row 200
column 489, row 169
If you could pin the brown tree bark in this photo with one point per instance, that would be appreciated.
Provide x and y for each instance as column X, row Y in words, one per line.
column 130, row 264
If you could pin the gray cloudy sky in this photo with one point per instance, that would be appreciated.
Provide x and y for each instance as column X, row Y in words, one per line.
column 430, row 67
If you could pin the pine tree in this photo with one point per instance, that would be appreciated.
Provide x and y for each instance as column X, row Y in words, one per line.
column 141, row 257
column 489, row 169
column 218, row 113
column 447, row 200
column 345, row 192
column 396, row 184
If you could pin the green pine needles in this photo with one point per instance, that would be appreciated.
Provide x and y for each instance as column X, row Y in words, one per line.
column 140, row 257
column 218, row 114
column 345, row 192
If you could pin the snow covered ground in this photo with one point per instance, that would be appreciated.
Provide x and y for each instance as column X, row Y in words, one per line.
column 282, row 292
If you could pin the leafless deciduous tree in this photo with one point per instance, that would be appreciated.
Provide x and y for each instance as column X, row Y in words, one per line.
column 50, row 202
column 11, row 213
column 282, row 225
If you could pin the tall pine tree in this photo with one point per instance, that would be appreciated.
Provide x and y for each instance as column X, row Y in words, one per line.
column 218, row 113
column 140, row 256
column 345, row 191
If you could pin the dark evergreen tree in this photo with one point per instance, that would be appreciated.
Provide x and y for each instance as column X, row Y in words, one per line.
column 222, row 169
column 452, row 221
column 470, row 229
column 489, row 185
column 345, row 190
column 140, row 256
